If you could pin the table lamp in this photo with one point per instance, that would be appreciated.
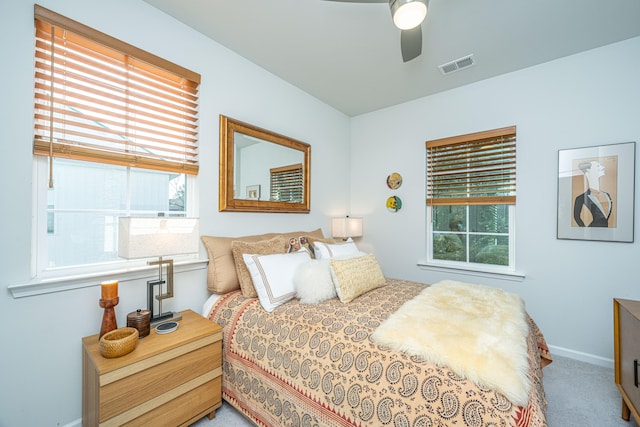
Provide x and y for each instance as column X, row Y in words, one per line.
column 346, row 227
column 146, row 237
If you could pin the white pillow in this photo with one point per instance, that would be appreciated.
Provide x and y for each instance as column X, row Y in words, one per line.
column 272, row 276
column 336, row 250
column 313, row 283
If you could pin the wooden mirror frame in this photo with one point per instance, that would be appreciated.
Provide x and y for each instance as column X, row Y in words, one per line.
column 226, row 198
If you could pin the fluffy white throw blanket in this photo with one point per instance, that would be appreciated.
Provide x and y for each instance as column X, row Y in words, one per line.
column 477, row 331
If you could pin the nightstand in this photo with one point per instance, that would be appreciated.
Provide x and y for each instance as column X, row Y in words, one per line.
column 626, row 336
column 169, row 379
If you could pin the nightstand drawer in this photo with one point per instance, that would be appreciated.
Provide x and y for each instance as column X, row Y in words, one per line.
column 199, row 401
column 130, row 391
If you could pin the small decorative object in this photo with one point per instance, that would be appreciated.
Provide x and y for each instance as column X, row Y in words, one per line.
column 141, row 320
column 108, row 301
column 394, row 181
column 394, row 204
column 596, row 193
column 118, row 342
column 253, row 192
column 166, row 327
column 109, row 289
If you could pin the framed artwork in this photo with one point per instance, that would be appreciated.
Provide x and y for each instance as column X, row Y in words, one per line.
column 253, row 192
column 596, row 193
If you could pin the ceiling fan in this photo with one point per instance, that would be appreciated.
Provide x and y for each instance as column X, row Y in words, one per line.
column 407, row 16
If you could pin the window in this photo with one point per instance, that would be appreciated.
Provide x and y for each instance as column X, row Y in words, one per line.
column 86, row 200
column 115, row 134
column 287, row 183
column 471, row 196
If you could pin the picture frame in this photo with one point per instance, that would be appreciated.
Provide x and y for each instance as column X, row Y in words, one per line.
column 253, row 192
column 596, row 190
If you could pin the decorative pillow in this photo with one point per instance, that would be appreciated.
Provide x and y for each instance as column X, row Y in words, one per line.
column 313, row 282
column 307, row 243
column 263, row 247
column 221, row 273
column 273, row 276
column 353, row 277
column 336, row 250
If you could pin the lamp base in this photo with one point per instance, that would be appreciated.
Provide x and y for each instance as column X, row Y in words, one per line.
column 165, row 317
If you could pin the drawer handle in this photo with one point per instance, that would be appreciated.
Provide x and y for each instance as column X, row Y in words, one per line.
column 635, row 372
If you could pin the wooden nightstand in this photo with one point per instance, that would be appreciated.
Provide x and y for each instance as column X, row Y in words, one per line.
column 169, row 379
column 626, row 336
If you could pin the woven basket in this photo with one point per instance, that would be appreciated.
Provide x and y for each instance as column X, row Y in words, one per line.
column 118, row 342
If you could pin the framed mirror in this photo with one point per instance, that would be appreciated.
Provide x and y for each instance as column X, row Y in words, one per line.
column 262, row 171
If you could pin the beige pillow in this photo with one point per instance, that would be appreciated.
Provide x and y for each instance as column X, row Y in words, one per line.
column 353, row 277
column 221, row 273
column 264, row 247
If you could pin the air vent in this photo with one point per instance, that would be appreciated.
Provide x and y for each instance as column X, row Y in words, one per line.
column 457, row 65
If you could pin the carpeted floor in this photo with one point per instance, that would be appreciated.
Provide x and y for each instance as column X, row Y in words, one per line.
column 582, row 395
column 579, row 395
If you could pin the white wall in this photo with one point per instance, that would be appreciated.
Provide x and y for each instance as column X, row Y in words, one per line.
column 583, row 100
column 40, row 337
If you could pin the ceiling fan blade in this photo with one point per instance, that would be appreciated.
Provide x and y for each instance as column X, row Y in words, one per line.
column 411, row 43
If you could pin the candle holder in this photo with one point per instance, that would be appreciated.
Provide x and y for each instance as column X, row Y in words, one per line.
column 109, row 316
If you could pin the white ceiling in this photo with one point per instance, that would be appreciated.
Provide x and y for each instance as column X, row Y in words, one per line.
column 348, row 54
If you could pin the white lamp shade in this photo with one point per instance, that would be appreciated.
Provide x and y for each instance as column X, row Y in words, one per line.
column 146, row 237
column 408, row 14
column 346, row 227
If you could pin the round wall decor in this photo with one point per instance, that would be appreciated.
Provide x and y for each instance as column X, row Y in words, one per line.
column 394, row 204
column 394, row 181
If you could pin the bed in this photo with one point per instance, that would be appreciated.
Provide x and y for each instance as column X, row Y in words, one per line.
column 316, row 364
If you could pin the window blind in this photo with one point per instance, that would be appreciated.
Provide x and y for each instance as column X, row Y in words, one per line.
column 287, row 184
column 102, row 100
column 472, row 169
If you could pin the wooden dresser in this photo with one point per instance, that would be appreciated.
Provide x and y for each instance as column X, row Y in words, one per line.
column 169, row 379
column 626, row 336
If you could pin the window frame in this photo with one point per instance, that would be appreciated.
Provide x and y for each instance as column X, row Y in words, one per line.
column 469, row 199
column 46, row 280
column 39, row 264
column 467, row 265
column 70, row 278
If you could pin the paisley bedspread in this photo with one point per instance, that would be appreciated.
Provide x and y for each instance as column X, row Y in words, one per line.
column 314, row 365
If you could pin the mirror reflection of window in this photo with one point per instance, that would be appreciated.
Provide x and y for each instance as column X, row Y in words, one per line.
column 287, row 184
column 254, row 161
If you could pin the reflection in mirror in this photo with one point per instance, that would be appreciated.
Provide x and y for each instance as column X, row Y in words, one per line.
column 261, row 165
column 261, row 171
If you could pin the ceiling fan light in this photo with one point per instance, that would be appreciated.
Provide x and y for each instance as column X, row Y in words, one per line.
column 408, row 14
